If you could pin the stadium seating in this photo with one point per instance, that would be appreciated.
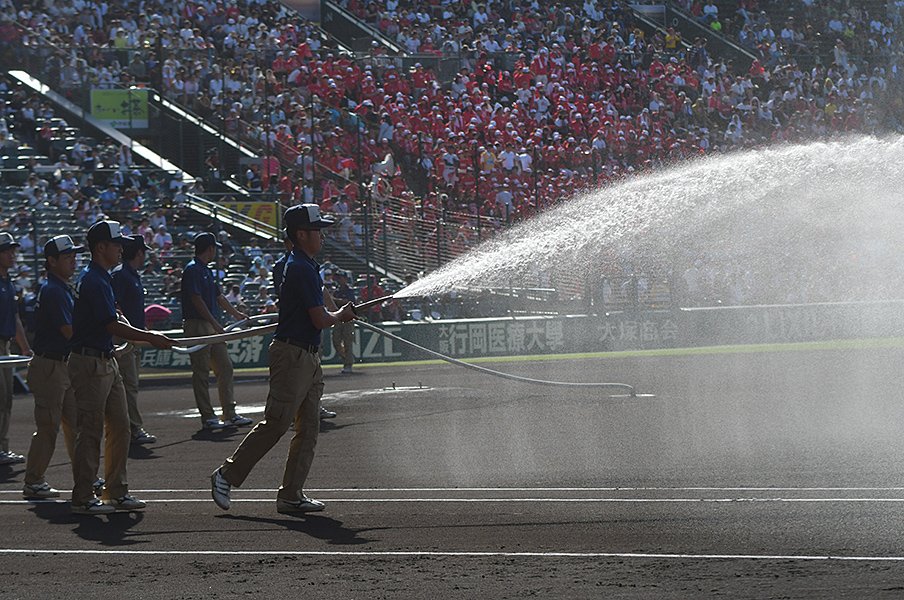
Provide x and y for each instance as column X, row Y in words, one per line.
column 547, row 101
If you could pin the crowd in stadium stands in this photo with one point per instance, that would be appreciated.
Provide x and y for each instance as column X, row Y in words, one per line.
column 551, row 98
column 73, row 184
column 779, row 30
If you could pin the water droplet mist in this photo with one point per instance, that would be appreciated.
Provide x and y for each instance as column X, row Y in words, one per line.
column 794, row 223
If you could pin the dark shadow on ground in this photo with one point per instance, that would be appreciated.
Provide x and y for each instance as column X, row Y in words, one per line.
column 11, row 473
column 108, row 530
column 142, row 452
column 327, row 425
column 320, row 527
column 223, row 435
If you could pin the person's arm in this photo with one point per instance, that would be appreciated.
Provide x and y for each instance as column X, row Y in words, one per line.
column 127, row 332
column 229, row 308
column 324, row 319
column 205, row 313
column 21, row 340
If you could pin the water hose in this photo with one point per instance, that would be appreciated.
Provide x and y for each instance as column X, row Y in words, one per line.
column 233, row 332
column 573, row 384
column 13, row 361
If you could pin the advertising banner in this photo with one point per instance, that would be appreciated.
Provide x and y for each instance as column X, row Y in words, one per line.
column 265, row 212
column 122, row 109
column 641, row 330
column 469, row 339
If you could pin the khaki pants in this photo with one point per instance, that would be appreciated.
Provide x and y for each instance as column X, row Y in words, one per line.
column 54, row 405
column 343, row 341
column 214, row 356
column 128, row 369
column 6, row 399
column 101, row 401
column 296, row 384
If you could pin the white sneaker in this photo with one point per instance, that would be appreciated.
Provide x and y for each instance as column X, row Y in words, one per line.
column 126, row 503
column 219, row 489
column 94, row 507
column 303, row 505
column 214, row 424
column 39, row 491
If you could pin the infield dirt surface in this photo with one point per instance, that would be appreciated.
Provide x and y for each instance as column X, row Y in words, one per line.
column 758, row 475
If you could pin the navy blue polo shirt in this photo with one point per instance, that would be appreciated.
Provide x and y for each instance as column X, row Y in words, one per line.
column 197, row 278
column 278, row 270
column 53, row 309
column 8, row 308
column 302, row 289
column 129, row 294
column 95, row 308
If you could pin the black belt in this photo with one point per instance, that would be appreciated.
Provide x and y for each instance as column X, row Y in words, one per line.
column 306, row 347
column 53, row 356
column 92, row 352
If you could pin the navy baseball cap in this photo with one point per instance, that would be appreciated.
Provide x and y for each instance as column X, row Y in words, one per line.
column 305, row 216
column 105, row 231
column 7, row 241
column 61, row 244
column 135, row 242
column 205, row 240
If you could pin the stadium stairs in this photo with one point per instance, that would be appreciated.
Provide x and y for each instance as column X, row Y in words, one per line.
column 174, row 132
column 352, row 31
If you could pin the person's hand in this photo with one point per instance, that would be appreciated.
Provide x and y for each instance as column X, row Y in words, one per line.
column 161, row 342
column 347, row 313
column 241, row 316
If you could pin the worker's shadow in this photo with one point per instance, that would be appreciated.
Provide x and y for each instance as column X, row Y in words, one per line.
column 320, row 527
column 222, row 435
column 142, row 453
column 11, row 473
column 107, row 530
column 327, row 426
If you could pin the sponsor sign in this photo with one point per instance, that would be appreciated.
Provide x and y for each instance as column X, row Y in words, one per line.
column 121, row 108
column 265, row 212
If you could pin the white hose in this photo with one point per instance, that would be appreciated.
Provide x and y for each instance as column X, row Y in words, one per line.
column 232, row 332
column 13, row 361
column 461, row 363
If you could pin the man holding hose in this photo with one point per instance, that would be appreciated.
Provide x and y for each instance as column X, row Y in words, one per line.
column 202, row 302
column 296, row 378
